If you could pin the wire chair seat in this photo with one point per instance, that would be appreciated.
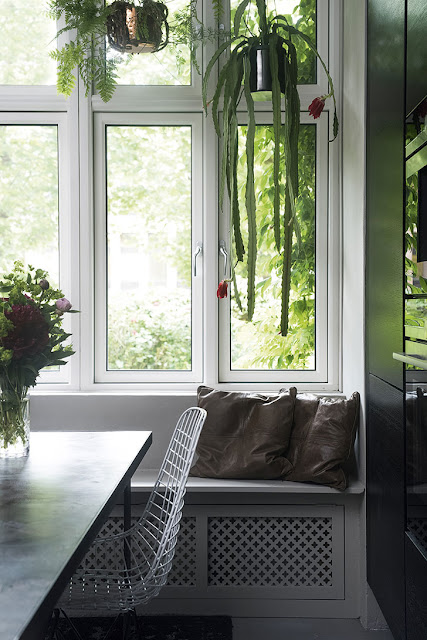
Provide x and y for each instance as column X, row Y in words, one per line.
column 127, row 569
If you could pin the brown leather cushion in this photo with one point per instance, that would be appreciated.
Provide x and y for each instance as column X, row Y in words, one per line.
column 322, row 439
column 245, row 434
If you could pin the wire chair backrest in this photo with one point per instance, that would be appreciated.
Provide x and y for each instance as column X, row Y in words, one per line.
column 159, row 523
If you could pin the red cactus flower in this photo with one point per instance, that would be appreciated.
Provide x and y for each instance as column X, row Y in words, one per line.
column 30, row 334
column 316, row 107
column 222, row 289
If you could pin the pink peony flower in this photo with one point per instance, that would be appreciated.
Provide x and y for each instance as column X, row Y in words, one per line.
column 316, row 107
column 62, row 305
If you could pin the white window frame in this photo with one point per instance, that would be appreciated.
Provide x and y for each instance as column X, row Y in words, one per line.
column 67, row 234
column 102, row 374
column 78, row 193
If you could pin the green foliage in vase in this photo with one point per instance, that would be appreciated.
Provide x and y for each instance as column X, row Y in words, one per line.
column 275, row 33
column 31, row 332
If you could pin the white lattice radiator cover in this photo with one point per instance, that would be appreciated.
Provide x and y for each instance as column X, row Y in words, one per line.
column 258, row 552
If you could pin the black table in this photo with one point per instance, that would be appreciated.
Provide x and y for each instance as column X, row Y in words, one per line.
column 52, row 505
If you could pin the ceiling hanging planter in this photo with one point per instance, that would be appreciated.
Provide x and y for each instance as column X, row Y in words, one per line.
column 260, row 79
column 133, row 28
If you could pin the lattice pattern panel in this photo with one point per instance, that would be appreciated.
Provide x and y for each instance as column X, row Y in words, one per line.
column 111, row 552
column 418, row 526
column 269, row 551
column 183, row 571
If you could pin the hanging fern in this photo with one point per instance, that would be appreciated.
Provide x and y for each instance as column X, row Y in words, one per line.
column 93, row 21
column 233, row 81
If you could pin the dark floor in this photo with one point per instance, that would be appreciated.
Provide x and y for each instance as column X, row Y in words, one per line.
column 303, row 629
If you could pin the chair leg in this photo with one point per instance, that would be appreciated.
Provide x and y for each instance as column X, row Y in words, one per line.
column 51, row 631
column 130, row 627
column 54, row 631
column 112, row 627
column 135, row 633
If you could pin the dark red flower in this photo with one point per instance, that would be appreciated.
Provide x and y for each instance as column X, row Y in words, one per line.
column 316, row 107
column 422, row 109
column 30, row 334
column 222, row 289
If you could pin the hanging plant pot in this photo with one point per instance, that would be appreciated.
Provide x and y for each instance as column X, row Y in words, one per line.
column 135, row 28
column 260, row 75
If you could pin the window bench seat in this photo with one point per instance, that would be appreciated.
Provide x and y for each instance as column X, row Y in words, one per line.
column 144, row 479
column 262, row 548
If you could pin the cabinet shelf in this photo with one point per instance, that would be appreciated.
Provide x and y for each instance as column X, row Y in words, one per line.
column 412, row 359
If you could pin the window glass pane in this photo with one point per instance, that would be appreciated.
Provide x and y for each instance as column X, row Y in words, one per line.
column 170, row 66
column 29, row 197
column 300, row 14
column 149, row 247
column 27, row 35
column 258, row 344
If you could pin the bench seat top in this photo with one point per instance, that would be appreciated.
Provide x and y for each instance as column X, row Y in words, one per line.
column 143, row 480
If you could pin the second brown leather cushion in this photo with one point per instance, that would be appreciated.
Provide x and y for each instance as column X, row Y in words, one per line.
column 322, row 439
column 245, row 434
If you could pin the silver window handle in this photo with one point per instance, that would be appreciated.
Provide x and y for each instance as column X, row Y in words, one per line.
column 224, row 254
column 197, row 252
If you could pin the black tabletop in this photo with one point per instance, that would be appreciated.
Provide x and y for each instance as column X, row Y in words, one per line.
column 52, row 505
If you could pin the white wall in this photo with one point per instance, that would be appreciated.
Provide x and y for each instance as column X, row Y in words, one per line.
column 353, row 203
column 100, row 412
column 353, row 231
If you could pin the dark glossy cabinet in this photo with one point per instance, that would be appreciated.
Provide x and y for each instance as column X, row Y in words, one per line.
column 416, row 50
column 386, row 508
column 385, row 188
column 396, row 537
column 416, row 591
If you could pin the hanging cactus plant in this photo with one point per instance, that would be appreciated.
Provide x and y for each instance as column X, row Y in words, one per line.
column 236, row 80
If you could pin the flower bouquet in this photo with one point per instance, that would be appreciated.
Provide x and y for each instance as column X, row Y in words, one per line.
column 31, row 337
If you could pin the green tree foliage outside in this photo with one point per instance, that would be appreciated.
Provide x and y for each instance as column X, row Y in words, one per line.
column 27, row 35
column 142, row 336
column 415, row 308
column 257, row 344
column 29, row 196
column 149, row 197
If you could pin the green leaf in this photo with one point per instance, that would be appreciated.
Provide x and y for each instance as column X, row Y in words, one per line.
column 336, row 124
column 239, row 15
column 208, row 71
column 277, row 128
column 250, row 193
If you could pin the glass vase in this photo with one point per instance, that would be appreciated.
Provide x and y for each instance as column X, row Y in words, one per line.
column 14, row 427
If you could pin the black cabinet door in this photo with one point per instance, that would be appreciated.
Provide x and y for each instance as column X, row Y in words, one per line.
column 385, row 187
column 416, row 590
column 385, row 501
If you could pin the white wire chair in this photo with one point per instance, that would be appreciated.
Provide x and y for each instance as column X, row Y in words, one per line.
column 139, row 559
